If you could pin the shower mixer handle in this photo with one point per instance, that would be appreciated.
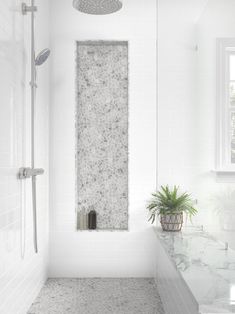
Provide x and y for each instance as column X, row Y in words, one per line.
column 25, row 173
column 26, row 8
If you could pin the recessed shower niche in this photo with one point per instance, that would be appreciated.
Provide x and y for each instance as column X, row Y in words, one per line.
column 102, row 133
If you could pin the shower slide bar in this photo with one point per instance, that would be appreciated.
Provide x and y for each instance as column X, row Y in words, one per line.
column 32, row 172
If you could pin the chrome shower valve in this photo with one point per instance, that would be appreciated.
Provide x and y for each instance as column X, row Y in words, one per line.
column 25, row 173
column 25, row 8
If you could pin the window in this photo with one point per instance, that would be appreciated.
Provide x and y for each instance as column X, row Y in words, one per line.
column 226, row 104
column 231, row 78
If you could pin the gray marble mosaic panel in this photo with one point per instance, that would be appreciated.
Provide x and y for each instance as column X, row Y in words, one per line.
column 102, row 132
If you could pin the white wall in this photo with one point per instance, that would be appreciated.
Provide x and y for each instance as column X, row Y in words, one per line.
column 21, row 278
column 180, row 133
column 176, row 101
column 216, row 21
column 106, row 254
column 187, row 101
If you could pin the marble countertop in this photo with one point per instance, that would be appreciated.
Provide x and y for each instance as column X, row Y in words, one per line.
column 206, row 265
column 225, row 236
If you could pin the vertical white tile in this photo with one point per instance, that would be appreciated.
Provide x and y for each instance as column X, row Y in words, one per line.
column 21, row 278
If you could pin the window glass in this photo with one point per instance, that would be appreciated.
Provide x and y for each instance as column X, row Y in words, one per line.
column 232, row 67
column 232, row 94
column 233, row 137
column 232, row 80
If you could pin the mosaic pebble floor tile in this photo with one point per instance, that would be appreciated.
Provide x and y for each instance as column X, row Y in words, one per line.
column 98, row 296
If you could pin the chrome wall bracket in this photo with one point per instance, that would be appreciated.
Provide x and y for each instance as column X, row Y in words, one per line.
column 25, row 8
column 25, row 173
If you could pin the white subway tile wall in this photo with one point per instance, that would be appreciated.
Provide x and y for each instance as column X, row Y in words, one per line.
column 21, row 277
column 103, row 254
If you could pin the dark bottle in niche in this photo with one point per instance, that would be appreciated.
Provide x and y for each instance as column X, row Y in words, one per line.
column 92, row 220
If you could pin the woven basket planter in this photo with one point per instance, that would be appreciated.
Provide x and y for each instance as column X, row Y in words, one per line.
column 172, row 222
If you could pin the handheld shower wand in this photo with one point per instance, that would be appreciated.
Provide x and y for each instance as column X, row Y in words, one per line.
column 33, row 172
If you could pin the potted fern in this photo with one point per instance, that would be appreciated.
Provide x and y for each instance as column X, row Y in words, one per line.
column 170, row 205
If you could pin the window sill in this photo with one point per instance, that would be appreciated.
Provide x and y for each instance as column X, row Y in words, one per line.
column 224, row 171
column 224, row 175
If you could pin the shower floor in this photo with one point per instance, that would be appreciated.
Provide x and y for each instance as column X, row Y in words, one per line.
column 98, row 296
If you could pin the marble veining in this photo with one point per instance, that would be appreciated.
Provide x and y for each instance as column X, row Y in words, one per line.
column 207, row 267
column 102, row 132
column 98, row 296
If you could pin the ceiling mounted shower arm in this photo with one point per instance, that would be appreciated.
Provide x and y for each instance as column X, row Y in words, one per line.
column 25, row 8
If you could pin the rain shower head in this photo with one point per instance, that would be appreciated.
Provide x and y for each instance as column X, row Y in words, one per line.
column 97, row 7
column 42, row 56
